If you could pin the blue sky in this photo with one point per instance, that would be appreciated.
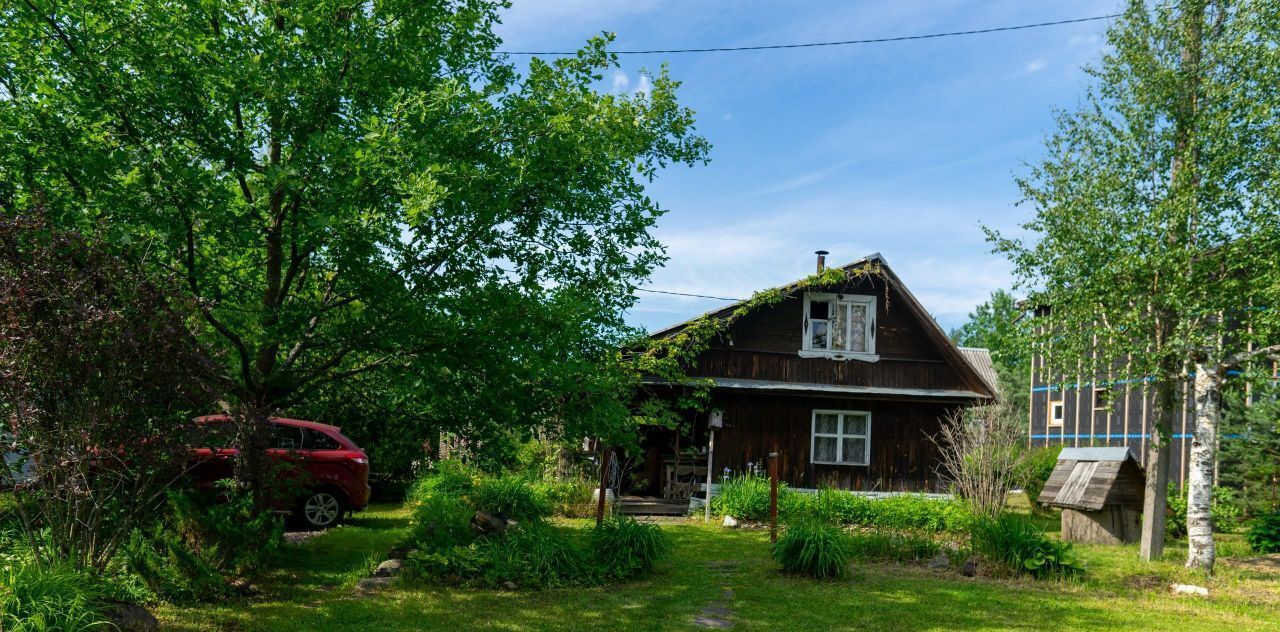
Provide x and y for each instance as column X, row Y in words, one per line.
column 904, row 148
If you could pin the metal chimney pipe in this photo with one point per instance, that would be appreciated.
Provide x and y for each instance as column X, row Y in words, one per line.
column 822, row 260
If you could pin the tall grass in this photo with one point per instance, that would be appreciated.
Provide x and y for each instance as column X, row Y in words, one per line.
column 448, row 477
column 625, row 548
column 891, row 546
column 814, row 548
column 536, row 556
column 747, row 498
column 1021, row 547
column 440, row 521
column 38, row 599
column 511, row 496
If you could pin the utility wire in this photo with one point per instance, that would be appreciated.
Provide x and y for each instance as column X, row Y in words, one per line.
column 718, row 298
column 878, row 40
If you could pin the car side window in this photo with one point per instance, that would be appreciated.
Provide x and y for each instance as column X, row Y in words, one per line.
column 316, row 440
column 285, row 437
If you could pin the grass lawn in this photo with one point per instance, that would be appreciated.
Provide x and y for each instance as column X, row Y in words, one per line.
column 313, row 590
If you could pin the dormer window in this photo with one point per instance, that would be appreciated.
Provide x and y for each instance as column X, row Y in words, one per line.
column 839, row 326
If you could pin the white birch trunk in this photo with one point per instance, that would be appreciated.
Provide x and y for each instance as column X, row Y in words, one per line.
column 1208, row 397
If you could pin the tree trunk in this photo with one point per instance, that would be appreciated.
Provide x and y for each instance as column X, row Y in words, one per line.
column 1155, row 496
column 1208, row 394
column 1183, row 176
column 253, row 430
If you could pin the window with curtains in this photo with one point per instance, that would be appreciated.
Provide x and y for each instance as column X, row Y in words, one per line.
column 839, row 326
column 841, row 437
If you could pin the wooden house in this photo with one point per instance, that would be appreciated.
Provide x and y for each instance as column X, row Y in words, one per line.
column 1109, row 407
column 846, row 383
column 1100, row 493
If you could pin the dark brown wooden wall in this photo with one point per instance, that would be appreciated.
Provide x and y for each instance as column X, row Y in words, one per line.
column 1126, row 421
column 902, row 456
column 765, row 345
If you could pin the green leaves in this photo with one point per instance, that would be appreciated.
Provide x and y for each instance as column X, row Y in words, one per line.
column 1150, row 204
column 349, row 191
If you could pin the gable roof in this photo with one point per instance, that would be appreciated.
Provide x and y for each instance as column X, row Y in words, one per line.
column 1085, row 478
column 962, row 364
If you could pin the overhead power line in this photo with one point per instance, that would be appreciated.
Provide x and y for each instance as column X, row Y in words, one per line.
column 877, row 40
column 718, row 298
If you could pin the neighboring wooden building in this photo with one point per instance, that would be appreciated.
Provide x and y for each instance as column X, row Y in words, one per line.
column 845, row 383
column 1100, row 493
column 1107, row 408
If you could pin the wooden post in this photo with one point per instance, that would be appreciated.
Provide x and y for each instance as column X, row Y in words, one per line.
column 711, row 452
column 773, row 497
column 604, row 484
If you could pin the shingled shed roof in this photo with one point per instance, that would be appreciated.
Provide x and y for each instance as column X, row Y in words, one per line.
column 1090, row 478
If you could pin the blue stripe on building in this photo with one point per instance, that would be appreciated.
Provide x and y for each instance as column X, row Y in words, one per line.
column 1053, row 388
column 1116, row 436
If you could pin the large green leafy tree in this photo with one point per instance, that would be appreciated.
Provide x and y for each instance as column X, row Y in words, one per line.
column 998, row 326
column 348, row 188
column 1154, row 205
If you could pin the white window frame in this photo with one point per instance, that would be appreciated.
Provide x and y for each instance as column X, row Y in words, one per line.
column 839, row 436
column 838, row 301
column 1061, row 407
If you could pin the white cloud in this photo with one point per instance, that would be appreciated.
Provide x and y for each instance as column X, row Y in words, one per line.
column 1091, row 39
column 728, row 116
column 643, row 87
column 620, row 81
column 1036, row 65
column 804, row 180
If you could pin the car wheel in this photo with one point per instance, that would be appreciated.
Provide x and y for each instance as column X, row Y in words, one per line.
column 321, row 509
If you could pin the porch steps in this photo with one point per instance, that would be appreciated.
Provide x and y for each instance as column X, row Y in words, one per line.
column 649, row 506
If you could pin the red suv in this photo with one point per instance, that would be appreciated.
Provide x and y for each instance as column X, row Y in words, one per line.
column 332, row 471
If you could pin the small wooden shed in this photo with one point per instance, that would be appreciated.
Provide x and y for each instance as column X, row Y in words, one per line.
column 1100, row 493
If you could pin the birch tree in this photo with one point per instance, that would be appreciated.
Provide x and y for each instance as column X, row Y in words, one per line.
column 1149, row 203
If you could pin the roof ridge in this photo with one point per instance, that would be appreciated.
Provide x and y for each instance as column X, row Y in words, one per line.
column 735, row 304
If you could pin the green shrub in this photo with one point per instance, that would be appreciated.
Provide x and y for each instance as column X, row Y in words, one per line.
column 571, row 499
column 539, row 555
column 747, row 498
column 1036, row 471
column 439, row 522
column 452, row 565
column 913, row 511
column 1018, row 545
column 1264, row 534
column 511, row 496
column 536, row 555
column 901, row 512
column 531, row 555
column 448, row 477
column 814, row 548
column 891, row 546
column 625, row 548
column 203, row 544
column 38, row 599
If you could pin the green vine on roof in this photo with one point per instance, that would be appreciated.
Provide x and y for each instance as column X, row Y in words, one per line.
column 667, row 359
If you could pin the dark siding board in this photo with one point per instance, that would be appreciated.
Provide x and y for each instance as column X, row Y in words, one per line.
column 1124, row 424
column 779, row 327
column 902, row 456
column 790, row 367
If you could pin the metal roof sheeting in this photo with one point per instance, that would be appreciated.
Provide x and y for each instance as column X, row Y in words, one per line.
column 980, row 360
column 1095, row 454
